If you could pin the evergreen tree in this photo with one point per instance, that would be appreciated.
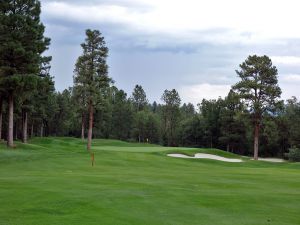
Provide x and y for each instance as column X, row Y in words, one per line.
column 293, row 121
column 187, row 110
column 103, row 114
column 269, row 136
column 259, row 89
column 152, row 133
column 232, row 128
column 80, row 98
column 1, row 114
column 44, row 107
column 65, row 113
column 91, row 73
column 139, row 126
column 210, row 112
column 122, row 115
column 22, row 42
column 154, row 107
column 171, row 115
column 192, row 131
column 139, row 98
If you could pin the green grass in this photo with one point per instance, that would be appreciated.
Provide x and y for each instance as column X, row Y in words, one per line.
column 51, row 182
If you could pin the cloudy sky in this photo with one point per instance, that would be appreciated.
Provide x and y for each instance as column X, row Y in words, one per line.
column 194, row 46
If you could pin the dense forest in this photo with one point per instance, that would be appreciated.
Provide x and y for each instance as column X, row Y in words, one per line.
column 249, row 118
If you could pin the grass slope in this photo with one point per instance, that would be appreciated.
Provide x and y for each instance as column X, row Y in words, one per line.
column 51, row 182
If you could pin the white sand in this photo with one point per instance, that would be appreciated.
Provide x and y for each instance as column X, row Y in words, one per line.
column 205, row 156
column 271, row 160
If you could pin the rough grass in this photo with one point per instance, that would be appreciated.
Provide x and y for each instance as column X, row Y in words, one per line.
column 51, row 182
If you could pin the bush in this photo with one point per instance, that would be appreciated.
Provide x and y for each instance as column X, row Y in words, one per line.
column 294, row 154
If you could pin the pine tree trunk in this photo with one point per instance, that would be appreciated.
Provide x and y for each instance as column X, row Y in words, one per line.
column 10, row 136
column 256, row 135
column 24, row 138
column 42, row 130
column 90, row 131
column 82, row 126
column 1, row 103
column 227, row 148
column 16, row 129
column 31, row 130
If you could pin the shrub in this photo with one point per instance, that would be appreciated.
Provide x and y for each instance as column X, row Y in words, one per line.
column 294, row 154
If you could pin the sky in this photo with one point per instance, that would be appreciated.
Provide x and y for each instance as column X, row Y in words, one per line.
column 194, row 46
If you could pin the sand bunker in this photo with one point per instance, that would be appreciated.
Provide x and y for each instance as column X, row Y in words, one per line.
column 271, row 160
column 205, row 156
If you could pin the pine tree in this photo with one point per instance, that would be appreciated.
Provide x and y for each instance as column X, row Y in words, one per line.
column 80, row 97
column 210, row 112
column 44, row 106
column 22, row 42
column 232, row 129
column 139, row 98
column 171, row 114
column 1, row 115
column 122, row 115
column 292, row 116
column 259, row 89
column 91, row 73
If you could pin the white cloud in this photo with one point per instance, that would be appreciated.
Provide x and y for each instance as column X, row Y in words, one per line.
column 289, row 90
column 195, row 93
column 289, row 84
column 229, row 21
column 290, row 78
column 286, row 60
column 268, row 26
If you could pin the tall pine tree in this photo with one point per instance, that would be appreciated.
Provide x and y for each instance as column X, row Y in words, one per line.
column 91, row 73
column 259, row 89
column 22, row 42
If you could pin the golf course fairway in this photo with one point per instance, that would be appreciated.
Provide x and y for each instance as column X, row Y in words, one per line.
column 51, row 181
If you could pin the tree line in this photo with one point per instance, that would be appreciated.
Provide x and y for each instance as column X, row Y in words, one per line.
column 249, row 118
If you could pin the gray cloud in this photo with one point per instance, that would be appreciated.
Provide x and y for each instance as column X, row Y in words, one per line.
column 161, row 60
